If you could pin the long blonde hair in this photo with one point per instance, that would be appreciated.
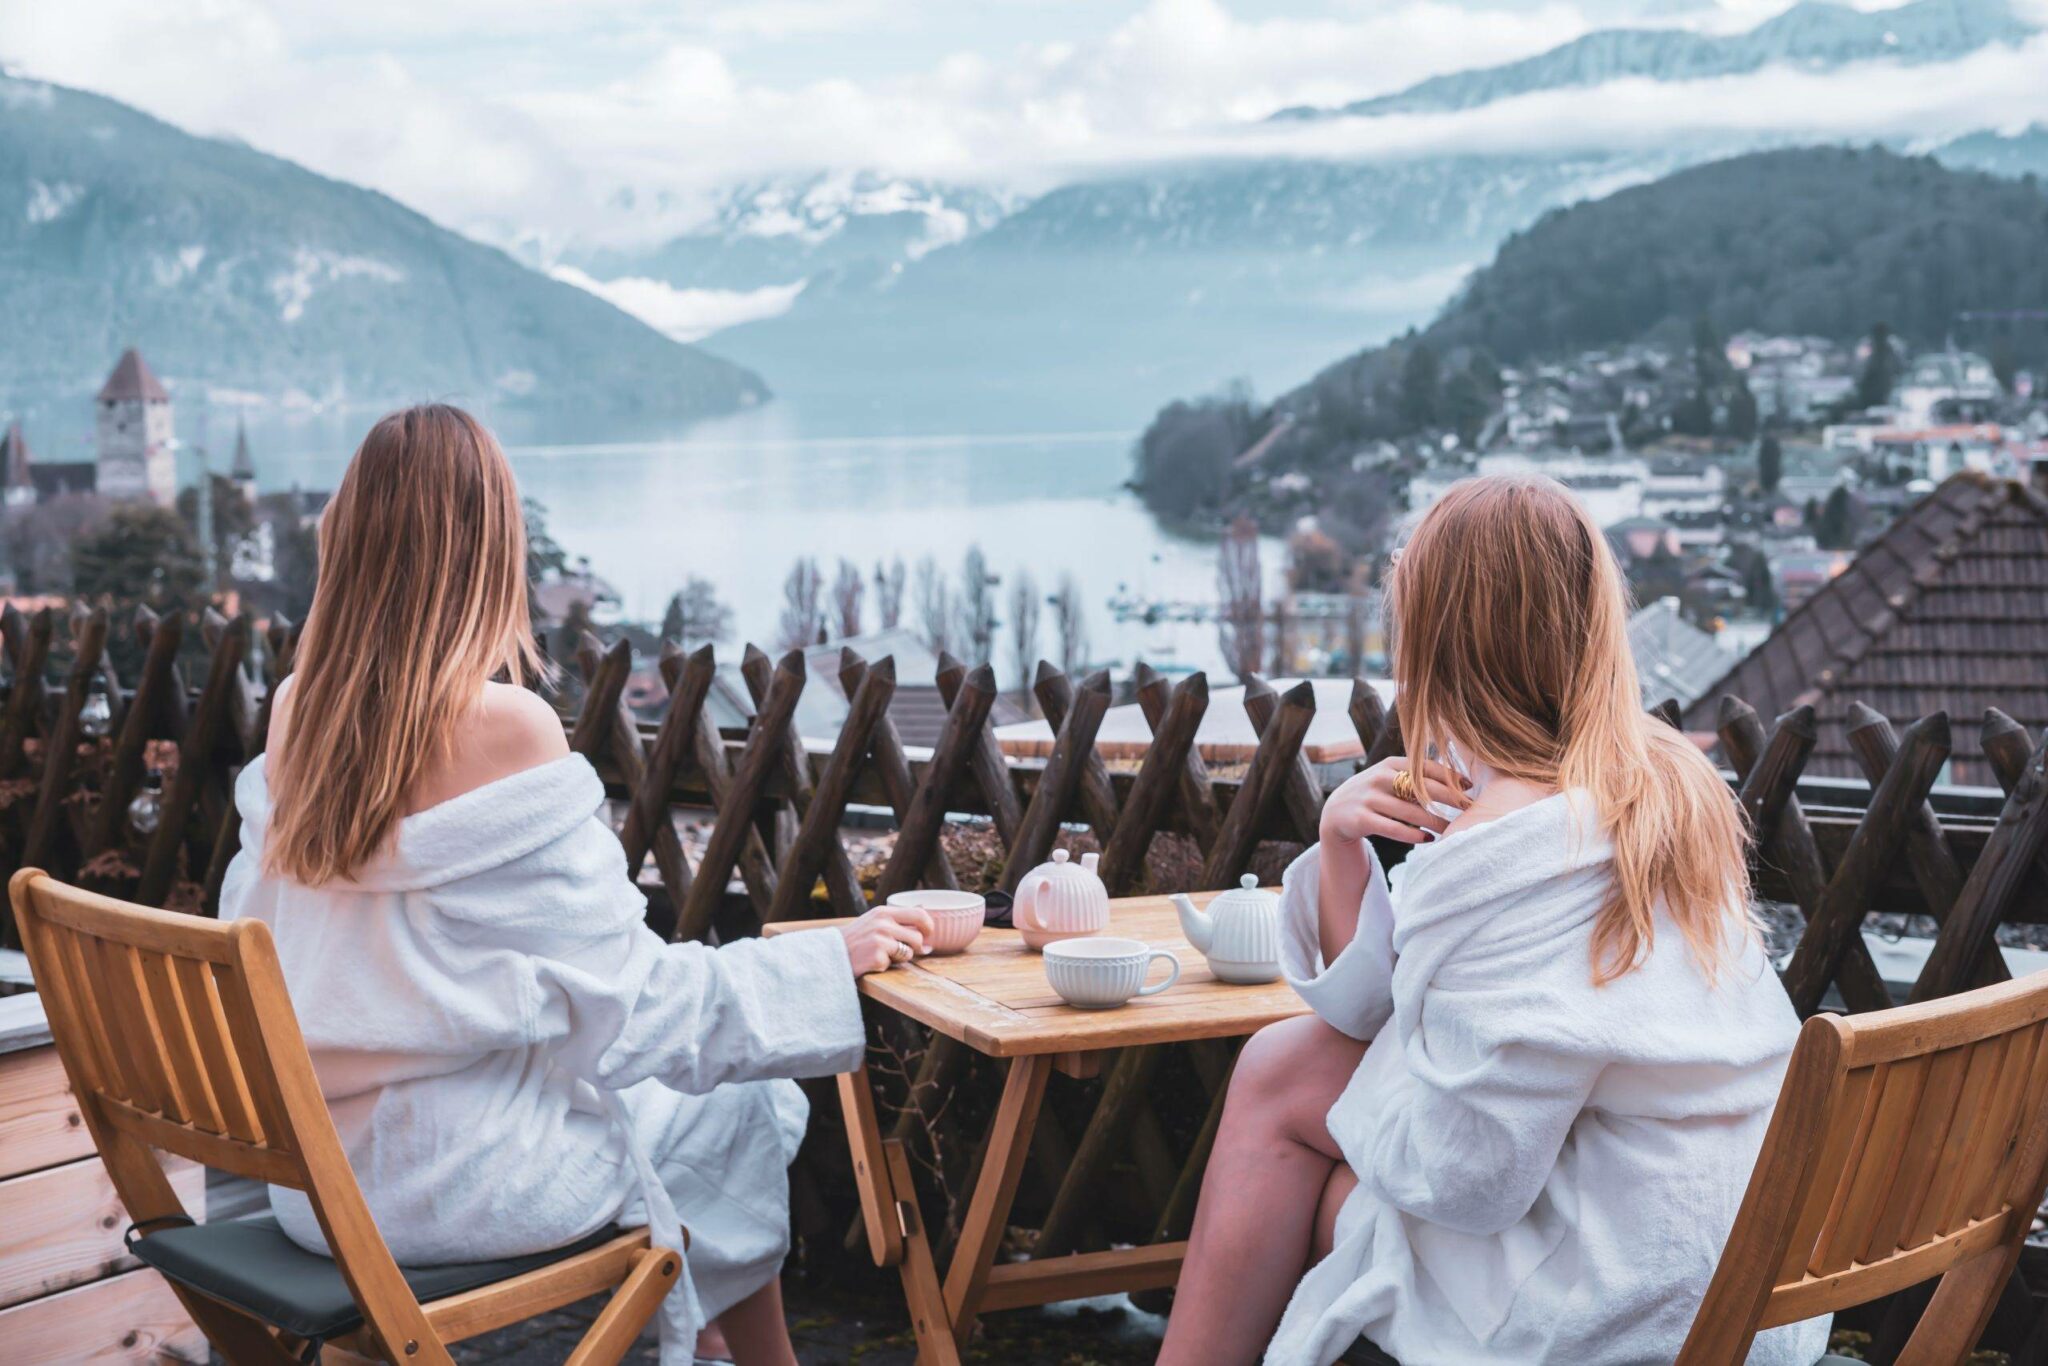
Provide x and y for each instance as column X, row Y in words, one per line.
column 1511, row 623
column 421, row 599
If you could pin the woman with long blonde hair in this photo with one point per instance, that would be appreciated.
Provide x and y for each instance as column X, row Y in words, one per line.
column 512, row 1058
column 1518, row 1124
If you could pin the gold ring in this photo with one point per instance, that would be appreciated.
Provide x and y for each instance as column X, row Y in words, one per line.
column 1404, row 785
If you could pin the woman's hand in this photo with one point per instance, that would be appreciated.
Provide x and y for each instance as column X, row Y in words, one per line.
column 885, row 936
column 1367, row 804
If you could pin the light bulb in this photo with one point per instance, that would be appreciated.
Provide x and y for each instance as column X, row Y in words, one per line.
column 147, row 809
column 96, row 717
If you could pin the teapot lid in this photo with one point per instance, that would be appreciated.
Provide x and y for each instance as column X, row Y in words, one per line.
column 1060, row 866
column 1245, row 893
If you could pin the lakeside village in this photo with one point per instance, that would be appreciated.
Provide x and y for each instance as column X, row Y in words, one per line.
column 1735, row 479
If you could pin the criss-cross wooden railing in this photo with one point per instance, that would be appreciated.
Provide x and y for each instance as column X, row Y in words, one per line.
column 773, row 812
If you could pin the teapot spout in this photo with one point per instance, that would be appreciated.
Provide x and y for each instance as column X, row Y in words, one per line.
column 1193, row 923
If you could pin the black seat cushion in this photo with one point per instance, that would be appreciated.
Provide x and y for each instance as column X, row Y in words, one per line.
column 250, row 1264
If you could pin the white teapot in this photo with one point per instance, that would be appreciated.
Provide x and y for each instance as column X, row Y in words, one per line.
column 1239, row 934
column 1060, row 900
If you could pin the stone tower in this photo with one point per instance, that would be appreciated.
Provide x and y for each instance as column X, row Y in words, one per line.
column 132, row 420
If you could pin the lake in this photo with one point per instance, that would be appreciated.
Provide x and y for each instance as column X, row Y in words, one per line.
column 737, row 501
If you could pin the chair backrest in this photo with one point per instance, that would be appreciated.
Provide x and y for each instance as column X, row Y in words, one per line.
column 1907, row 1144
column 177, row 1034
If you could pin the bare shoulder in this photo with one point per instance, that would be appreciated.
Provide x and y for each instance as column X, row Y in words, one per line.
column 519, row 728
column 511, row 731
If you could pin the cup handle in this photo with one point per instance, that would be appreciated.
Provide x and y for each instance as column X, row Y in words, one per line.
column 1171, row 977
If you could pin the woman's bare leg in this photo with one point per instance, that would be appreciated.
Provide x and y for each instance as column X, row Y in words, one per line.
column 1266, row 1178
column 1336, row 1191
column 711, row 1343
column 756, row 1329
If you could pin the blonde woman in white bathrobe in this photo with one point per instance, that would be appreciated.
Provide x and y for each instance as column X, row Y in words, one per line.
column 512, row 1058
column 1518, row 1126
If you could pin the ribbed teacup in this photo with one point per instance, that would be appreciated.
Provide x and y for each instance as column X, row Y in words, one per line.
column 957, row 917
column 1098, row 973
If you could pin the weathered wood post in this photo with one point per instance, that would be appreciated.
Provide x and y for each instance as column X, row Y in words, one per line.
column 736, row 810
column 918, row 829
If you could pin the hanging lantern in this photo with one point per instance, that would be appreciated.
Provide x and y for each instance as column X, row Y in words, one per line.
column 148, row 807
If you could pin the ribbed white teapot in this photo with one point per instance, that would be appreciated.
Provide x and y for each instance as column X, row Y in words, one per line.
column 1239, row 934
column 1060, row 900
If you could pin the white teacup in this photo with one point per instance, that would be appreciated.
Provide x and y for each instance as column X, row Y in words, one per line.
column 957, row 917
column 1098, row 974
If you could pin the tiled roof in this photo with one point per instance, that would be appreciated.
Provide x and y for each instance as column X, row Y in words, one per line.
column 132, row 379
column 1674, row 658
column 1947, row 609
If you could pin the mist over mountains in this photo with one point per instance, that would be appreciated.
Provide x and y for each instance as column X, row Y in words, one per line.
column 1087, row 304
column 869, row 301
column 1811, row 35
column 248, row 276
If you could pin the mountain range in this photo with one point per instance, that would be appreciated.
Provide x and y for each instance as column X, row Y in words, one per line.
column 246, row 275
column 1183, row 277
column 869, row 301
column 1810, row 35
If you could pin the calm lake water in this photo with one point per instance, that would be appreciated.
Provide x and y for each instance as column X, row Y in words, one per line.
column 739, row 500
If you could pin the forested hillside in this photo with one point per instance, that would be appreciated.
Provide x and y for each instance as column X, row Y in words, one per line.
column 1814, row 240
column 1817, row 241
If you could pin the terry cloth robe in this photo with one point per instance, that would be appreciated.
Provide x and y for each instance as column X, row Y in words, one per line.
column 513, row 1060
column 1547, row 1169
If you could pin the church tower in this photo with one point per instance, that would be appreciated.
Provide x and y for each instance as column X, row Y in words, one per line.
column 243, row 471
column 132, row 420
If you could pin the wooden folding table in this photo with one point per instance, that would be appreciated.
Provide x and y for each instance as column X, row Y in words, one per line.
column 994, row 999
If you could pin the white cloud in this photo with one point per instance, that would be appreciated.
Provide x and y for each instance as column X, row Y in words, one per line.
column 686, row 314
column 526, row 119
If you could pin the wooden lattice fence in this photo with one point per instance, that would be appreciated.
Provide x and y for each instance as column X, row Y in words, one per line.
column 1119, row 1156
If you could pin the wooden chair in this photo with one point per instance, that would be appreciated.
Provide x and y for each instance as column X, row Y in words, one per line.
column 177, row 1035
column 1907, row 1144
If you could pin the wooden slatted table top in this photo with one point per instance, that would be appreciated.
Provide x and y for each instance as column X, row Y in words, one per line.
column 994, row 997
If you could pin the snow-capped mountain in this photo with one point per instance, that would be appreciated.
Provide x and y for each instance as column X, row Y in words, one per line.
column 237, row 271
column 779, row 231
column 1811, row 35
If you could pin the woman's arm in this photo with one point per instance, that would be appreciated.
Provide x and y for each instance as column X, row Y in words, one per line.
column 1366, row 805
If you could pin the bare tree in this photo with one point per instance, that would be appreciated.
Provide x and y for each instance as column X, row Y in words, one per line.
column 976, row 608
column 1283, row 638
column 1070, row 623
column 1240, row 597
column 1354, row 630
column 934, row 606
column 1024, row 610
column 803, row 607
column 695, row 616
column 889, row 593
column 847, row 591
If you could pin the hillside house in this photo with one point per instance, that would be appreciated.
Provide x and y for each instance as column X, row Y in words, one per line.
column 1946, row 387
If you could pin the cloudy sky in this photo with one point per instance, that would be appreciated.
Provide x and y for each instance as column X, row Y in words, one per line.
column 511, row 117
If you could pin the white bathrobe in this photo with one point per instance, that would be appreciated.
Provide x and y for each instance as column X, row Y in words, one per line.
column 514, row 1060
column 1547, row 1169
